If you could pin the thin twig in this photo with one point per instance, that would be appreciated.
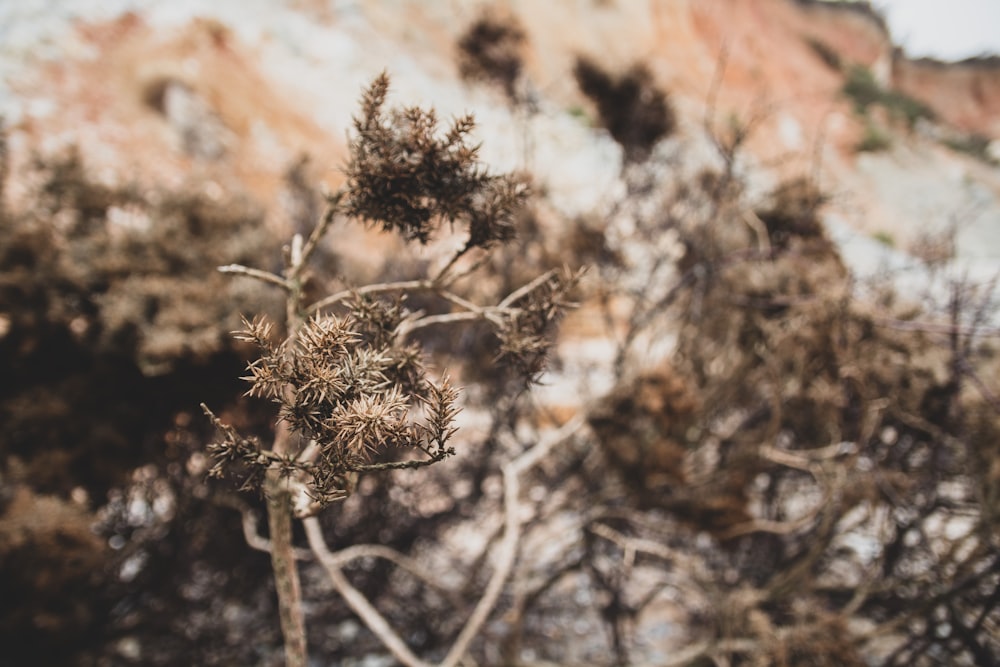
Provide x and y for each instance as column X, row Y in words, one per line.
column 507, row 551
column 295, row 256
column 469, row 270
column 506, row 555
column 759, row 229
column 380, row 288
column 524, row 290
column 634, row 543
column 439, row 278
column 460, row 302
column 411, row 565
column 409, row 326
column 318, row 233
column 257, row 541
column 531, row 457
column 264, row 276
column 355, row 600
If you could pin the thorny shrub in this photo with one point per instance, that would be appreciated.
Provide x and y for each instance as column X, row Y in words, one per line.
column 818, row 476
column 631, row 107
column 792, row 423
column 347, row 382
column 490, row 51
column 112, row 315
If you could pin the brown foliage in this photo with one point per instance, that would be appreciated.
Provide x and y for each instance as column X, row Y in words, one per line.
column 490, row 51
column 793, row 212
column 822, row 422
column 407, row 178
column 642, row 427
column 631, row 107
column 51, row 569
column 125, row 270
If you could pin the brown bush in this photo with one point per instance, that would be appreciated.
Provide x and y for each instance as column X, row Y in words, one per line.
column 52, row 567
column 641, row 427
column 630, row 105
column 490, row 51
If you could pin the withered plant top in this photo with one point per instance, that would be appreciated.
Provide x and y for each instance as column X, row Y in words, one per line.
column 407, row 177
column 348, row 394
column 490, row 51
column 632, row 107
column 349, row 381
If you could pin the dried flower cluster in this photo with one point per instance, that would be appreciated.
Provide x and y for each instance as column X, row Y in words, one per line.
column 405, row 177
column 527, row 333
column 342, row 386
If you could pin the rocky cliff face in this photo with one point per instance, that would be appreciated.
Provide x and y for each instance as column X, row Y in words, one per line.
column 243, row 91
column 965, row 94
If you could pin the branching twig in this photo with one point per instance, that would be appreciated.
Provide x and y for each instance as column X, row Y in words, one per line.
column 264, row 276
column 411, row 565
column 253, row 537
column 407, row 327
column 318, row 233
column 507, row 551
column 506, row 555
column 355, row 600
column 524, row 290
column 380, row 288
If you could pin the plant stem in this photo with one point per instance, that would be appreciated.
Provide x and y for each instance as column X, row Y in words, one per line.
column 286, row 575
column 356, row 601
column 279, row 496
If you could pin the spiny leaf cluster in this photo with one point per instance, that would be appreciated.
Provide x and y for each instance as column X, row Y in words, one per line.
column 407, row 177
column 235, row 451
column 527, row 334
column 343, row 386
column 347, row 390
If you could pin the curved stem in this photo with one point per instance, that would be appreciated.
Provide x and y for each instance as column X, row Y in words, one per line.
column 355, row 600
column 381, row 288
column 507, row 554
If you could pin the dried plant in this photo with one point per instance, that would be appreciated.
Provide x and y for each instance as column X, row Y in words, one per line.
column 405, row 177
column 490, row 51
column 631, row 106
column 352, row 389
column 349, row 394
column 792, row 421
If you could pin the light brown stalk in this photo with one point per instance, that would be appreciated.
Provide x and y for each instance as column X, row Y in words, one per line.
column 279, row 495
column 286, row 574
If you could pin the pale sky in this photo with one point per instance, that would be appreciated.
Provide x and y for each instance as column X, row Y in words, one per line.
column 944, row 29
